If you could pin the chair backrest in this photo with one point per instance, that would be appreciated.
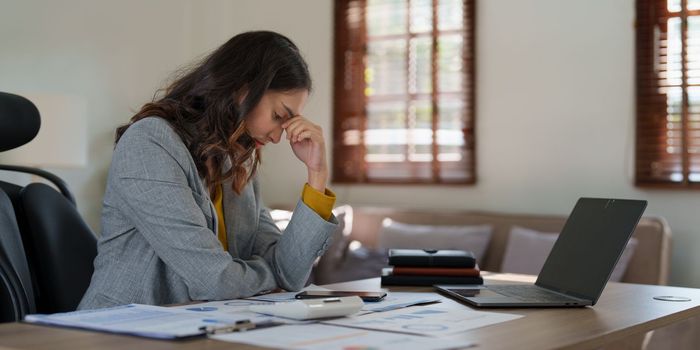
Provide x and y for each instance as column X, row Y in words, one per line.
column 63, row 248
column 19, row 121
column 16, row 290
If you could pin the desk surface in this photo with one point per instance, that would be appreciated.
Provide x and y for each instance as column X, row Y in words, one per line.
column 623, row 311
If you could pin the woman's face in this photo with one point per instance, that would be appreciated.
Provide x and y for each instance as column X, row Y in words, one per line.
column 264, row 122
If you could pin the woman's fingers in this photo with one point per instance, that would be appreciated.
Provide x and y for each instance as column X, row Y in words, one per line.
column 303, row 134
column 300, row 129
column 292, row 122
column 295, row 126
column 291, row 126
column 306, row 134
column 307, row 142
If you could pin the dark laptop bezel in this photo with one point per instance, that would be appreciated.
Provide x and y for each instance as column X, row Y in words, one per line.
column 641, row 206
column 585, row 300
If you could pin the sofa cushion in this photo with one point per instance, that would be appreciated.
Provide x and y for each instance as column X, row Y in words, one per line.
column 357, row 263
column 281, row 217
column 528, row 249
column 397, row 235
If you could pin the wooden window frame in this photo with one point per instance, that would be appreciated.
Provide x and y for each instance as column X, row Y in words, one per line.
column 653, row 138
column 349, row 166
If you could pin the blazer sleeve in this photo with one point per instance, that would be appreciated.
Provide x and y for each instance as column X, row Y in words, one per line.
column 292, row 254
column 150, row 179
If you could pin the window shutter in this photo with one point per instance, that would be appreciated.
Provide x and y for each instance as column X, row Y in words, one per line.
column 404, row 91
column 668, row 93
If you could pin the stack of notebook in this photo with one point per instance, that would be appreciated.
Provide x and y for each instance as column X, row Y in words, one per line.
column 410, row 267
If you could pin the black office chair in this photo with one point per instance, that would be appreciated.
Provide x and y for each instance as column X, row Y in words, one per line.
column 59, row 246
column 16, row 290
column 64, row 248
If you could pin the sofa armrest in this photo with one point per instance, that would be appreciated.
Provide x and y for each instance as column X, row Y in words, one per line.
column 651, row 261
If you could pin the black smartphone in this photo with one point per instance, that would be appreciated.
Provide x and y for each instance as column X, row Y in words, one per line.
column 314, row 294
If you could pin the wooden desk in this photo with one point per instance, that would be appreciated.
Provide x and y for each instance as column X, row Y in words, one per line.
column 624, row 311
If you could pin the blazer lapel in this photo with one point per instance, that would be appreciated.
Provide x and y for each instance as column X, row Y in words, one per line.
column 240, row 218
column 214, row 223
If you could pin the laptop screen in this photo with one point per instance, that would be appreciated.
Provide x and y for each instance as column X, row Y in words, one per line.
column 589, row 246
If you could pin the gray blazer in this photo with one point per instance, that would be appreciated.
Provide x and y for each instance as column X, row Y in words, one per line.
column 159, row 244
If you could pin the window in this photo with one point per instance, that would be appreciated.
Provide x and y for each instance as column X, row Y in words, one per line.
column 404, row 92
column 668, row 93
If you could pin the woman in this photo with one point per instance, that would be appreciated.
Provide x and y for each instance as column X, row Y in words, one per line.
column 182, row 217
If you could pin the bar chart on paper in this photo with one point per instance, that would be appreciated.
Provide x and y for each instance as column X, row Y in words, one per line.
column 427, row 321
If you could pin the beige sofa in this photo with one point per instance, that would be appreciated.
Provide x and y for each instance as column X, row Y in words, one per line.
column 650, row 263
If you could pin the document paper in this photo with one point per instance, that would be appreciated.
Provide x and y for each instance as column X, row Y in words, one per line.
column 425, row 320
column 136, row 319
column 325, row 337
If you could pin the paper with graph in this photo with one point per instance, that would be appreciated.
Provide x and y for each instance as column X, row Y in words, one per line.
column 425, row 320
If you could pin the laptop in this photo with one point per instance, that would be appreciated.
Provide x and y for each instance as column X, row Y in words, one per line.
column 577, row 268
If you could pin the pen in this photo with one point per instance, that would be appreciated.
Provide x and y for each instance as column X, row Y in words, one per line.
column 238, row 326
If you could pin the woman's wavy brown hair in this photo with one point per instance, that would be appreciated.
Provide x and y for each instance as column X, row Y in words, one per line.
column 202, row 104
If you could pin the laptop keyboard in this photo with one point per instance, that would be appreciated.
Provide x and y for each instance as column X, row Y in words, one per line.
column 528, row 292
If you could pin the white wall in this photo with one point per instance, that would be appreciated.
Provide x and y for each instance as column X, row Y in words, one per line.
column 555, row 98
column 114, row 54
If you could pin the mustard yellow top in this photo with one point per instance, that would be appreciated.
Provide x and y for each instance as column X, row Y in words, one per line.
column 221, row 227
column 321, row 203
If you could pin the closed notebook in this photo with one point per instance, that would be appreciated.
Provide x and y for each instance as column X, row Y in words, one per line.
column 389, row 279
column 431, row 258
column 436, row 271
